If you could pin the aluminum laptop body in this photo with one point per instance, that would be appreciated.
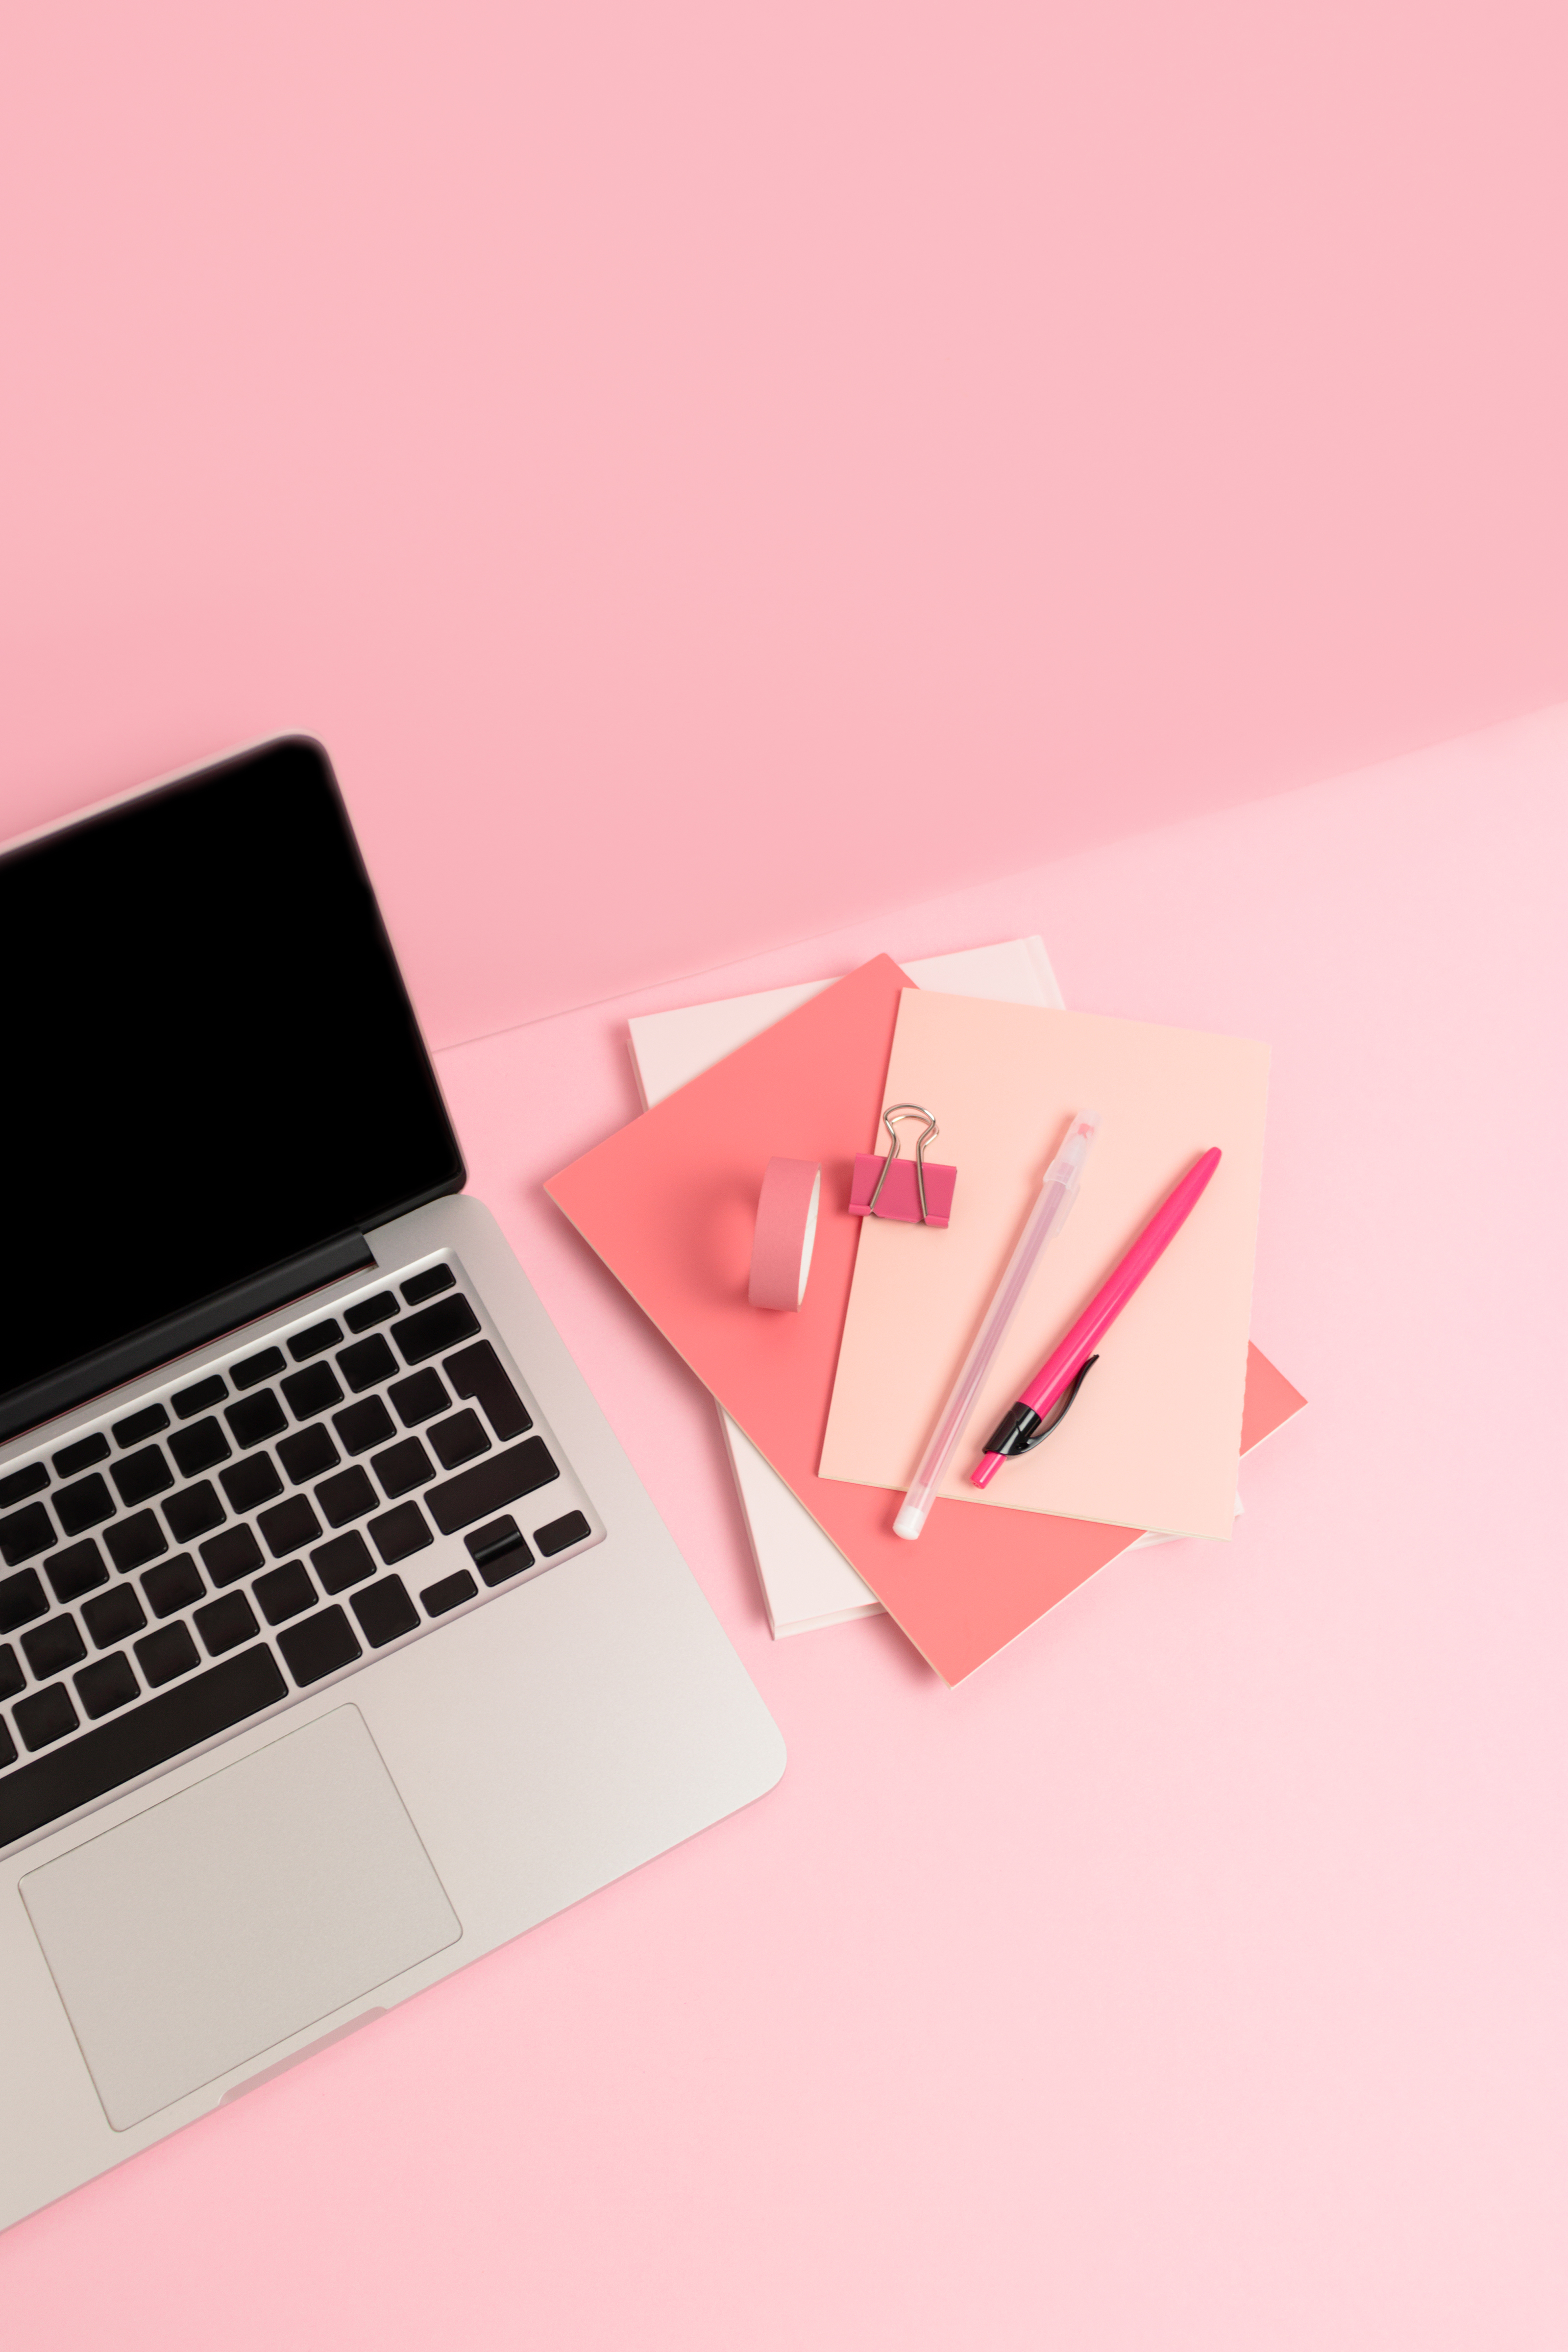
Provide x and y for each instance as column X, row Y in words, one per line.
column 339, row 1642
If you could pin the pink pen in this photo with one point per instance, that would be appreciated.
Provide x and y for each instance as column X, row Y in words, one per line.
column 1028, row 1422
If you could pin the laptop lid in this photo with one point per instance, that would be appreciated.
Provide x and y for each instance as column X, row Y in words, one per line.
column 214, row 1080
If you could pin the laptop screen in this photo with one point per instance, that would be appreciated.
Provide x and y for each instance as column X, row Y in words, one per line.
column 210, row 1065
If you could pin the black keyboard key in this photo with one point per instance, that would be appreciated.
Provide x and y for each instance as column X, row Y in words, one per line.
column 364, row 1425
column 345, row 1560
column 399, row 1533
column 71, row 1459
column 166, row 1654
column 7, row 1748
column 385, row 1612
column 288, row 1526
column 113, row 1616
column 225, row 1622
column 421, row 1287
column 306, row 1344
column 348, row 1497
column 461, row 1439
column 489, row 1486
column 42, row 1719
column 477, row 1373
column 141, row 1476
column 560, row 1533
column 27, row 1533
column 499, row 1550
column 450, row 1593
column 312, row 1392
column 200, row 1399
column 251, row 1483
column 193, row 1512
column 50, row 1649
column 318, row 1646
column 232, row 1555
column 86, row 1505
column 78, row 1569
column 256, row 1367
column 367, row 1363
column 22, row 1598
column 173, row 1584
column 200, row 1448
column 284, row 1592
column 419, row 1399
column 434, row 1328
column 135, row 1541
column 150, row 1422
column 403, row 1468
column 309, row 1453
column 366, row 1312
column 31, row 1479
column 106, row 1685
column 11, row 1675
column 128, row 1745
column 255, row 1419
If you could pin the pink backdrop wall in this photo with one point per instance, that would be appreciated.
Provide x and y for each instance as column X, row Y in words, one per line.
column 712, row 472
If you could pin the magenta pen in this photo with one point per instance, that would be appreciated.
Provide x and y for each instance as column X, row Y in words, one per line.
column 1029, row 1421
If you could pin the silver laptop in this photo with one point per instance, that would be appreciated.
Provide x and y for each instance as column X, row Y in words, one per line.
column 338, row 1640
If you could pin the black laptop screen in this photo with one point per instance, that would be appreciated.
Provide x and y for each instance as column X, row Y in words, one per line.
column 210, row 1062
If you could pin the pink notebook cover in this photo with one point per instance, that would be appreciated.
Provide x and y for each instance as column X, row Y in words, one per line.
column 668, row 1204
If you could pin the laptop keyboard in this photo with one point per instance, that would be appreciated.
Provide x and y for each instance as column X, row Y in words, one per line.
column 208, row 1557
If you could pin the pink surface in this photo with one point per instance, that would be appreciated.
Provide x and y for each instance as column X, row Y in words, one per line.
column 972, row 431
column 1192, row 1979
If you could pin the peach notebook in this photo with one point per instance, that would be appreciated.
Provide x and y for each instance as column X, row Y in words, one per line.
column 669, row 1202
column 1155, row 1438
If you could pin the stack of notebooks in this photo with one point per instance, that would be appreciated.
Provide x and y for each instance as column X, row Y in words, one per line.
column 827, row 1410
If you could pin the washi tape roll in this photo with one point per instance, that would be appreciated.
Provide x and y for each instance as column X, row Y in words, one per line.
column 786, row 1231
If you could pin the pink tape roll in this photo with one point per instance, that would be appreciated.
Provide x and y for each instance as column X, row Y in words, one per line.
column 786, row 1230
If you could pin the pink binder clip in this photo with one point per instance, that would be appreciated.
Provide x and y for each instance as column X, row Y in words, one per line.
column 912, row 1192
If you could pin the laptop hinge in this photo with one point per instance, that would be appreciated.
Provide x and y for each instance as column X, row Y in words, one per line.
column 176, row 1335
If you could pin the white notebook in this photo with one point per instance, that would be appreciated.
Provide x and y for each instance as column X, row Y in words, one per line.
column 806, row 1581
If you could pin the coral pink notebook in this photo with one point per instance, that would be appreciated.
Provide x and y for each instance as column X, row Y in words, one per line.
column 668, row 1204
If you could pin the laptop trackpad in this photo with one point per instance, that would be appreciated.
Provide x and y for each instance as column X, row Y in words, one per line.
column 218, row 1923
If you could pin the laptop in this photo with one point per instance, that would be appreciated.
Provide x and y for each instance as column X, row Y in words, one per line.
column 339, row 1642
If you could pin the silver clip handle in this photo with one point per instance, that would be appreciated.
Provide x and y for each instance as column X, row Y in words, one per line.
column 897, row 1111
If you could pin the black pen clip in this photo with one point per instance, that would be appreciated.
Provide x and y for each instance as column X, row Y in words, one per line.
column 1021, row 1427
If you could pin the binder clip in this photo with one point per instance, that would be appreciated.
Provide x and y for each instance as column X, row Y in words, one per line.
column 912, row 1192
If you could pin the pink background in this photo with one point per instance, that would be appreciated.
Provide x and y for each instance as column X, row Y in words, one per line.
column 715, row 476
column 944, row 436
